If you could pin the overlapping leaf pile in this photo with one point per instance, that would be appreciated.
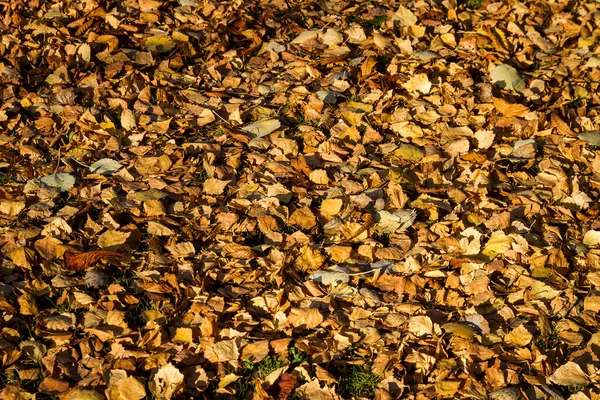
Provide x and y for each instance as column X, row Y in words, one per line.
column 314, row 200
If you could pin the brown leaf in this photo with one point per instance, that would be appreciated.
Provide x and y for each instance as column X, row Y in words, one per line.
column 283, row 387
column 75, row 261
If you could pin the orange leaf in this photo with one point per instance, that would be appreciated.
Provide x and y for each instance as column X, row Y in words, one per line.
column 75, row 261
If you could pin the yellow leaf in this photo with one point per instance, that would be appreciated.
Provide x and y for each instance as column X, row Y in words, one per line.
column 182, row 335
column 409, row 152
column 458, row 329
column 228, row 379
column 22, row 257
column 128, row 120
column 214, row 187
column 303, row 217
column 112, row 239
column 447, row 388
column 309, row 260
column 518, row 337
column 541, row 291
column 160, row 44
column 330, row 207
column 306, row 318
column 79, row 394
column 419, row 82
column 498, row 244
column 126, row 389
column 319, row 176
column 12, row 208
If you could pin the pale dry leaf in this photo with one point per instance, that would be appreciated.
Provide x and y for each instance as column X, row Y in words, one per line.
column 404, row 16
column 420, row 325
column 397, row 221
column 12, row 208
column 225, row 350
column 306, row 318
column 330, row 277
column 591, row 238
column 518, row 337
column 60, row 180
column 166, row 383
column 181, row 250
column 113, row 239
column 569, row 374
column 264, row 127
column 214, row 187
column 128, row 121
column 319, row 176
column 509, row 393
column 312, row 390
column 84, row 53
column 590, row 137
column 154, row 228
column 238, row 251
column 507, row 77
column 126, row 389
column 419, row 82
column 105, row 166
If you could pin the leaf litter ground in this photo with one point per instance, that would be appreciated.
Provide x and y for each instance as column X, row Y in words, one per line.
column 302, row 200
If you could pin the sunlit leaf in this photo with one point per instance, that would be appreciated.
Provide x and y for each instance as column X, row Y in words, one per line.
column 61, row 180
column 507, row 77
column 105, row 166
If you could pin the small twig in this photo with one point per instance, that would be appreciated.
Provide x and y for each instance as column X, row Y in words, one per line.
column 80, row 163
column 221, row 118
column 58, row 162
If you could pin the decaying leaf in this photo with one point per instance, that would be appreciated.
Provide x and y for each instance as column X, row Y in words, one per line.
column 167, row 382
column 318, row 200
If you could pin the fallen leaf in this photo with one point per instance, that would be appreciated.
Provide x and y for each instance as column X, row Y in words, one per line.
column 263, row 128
column 166, row 383
column 60, row 180
column 75, row 261
column 569, row 374
column 507, row 77
column 305, row 318
column 126, row 389
column 105, row 166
